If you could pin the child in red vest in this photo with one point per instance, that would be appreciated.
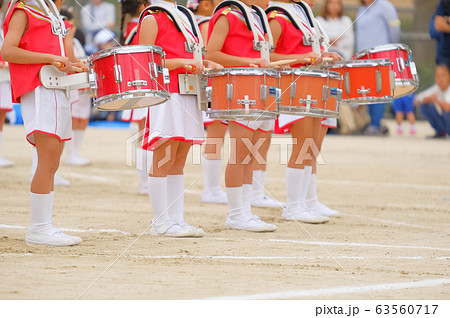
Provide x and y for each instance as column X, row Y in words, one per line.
column 174, row 126
column 45, row 112
column 230, row 43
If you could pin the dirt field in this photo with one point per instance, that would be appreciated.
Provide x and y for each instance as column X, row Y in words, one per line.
column 392, row 242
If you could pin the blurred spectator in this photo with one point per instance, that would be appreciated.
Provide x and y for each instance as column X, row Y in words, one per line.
column 338, row 27
column 377, row 23
column 96, row 16
column 104, row 39
column 405, row 106
column 435, row 102
column 442, row 26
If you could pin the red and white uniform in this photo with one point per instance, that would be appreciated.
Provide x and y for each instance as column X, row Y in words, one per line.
column 43, row 110
column 5, row 83
column 138, row 114
column 179, row 118
column 291, row 42
column 239, row 42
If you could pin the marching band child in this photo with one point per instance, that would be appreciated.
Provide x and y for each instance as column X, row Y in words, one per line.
column 302, row 203
column 215, row 129
column 174, row 126
column 131, row 9
column 230, row 43
column 34, row 37
column 5, row 99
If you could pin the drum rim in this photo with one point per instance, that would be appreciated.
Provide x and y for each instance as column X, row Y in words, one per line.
column 383, row 48
column 125, row 50
column 242, row 71
column 305, row 71
column 364, row 63
column 128, row 95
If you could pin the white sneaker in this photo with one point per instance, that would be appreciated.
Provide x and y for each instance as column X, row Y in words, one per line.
column 217, row 197
column 322, row 209
column 58, row 181
column 199, row 231
column 174, row 230
column 305, row 216
column 249, row 222
column 266, row 202
column 5, row 163
column 77, row 161
column 56, row 239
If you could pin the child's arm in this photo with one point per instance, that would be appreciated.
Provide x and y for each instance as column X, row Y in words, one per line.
column 68, row 44
column 215, row 44
column 276, row 29
column 147, row 36
column 12, row 53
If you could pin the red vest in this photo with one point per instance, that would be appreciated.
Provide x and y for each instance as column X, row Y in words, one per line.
column 291, row 39
column 130, row 26
column 172, row 41
column 239, row 40
column 38, row 38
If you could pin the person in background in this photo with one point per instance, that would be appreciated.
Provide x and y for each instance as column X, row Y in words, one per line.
column 435, row 102
column 405, row 106
column 376, row 24
column 338, row 27
column 5, row 98
column 96, row 16
column 442, row 26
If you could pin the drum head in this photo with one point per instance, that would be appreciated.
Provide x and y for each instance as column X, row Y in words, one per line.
column 131, row 101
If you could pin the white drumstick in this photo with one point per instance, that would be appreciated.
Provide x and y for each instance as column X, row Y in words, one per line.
column 253, row 65
column 74, row 69
column 282, row 62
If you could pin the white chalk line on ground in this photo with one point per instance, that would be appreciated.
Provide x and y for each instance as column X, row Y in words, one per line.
column 352, row 244
column 20, row 227
column 367, row 183
column 293, row 294
column 392, row 222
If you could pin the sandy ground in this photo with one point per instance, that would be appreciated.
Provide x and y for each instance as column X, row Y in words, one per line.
column 392, row 242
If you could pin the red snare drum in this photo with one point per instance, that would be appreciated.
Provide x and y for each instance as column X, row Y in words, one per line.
column 366, row 81
column 129, row 77
column 244, row 94
column 310, row 93
column 406, row 78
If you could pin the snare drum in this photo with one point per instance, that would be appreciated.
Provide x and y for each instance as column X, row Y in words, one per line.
column 313, row 93
column 244, row 94
column 366, row 81
column 406, row 78
column 129, row 77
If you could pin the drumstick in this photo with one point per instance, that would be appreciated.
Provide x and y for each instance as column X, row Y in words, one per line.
column 324, row 59
column 282, row 62
column 327, row 59
column 253, row 65
column 74, row 69
column 189, row 67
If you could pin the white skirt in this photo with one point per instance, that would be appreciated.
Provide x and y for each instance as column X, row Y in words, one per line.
column 179, row 119
column 286, row 120
column 262, row 125
column 134, row 115
column 5, row 96
column 46, row 111
column 80, row 104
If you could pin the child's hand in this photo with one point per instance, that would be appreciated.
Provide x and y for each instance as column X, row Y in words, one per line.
column 333, row 55
column 194, row 66
column 81, row 65
column 211, row 64
column 62, row 63
column 309, row 58
column 260, row 62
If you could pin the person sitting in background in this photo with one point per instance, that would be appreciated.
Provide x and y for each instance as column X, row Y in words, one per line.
column 402, row 106
column 442, row 27
column 435, row 102
column 338, row 27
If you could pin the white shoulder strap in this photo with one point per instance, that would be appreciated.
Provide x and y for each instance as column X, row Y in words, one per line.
column 131, row 36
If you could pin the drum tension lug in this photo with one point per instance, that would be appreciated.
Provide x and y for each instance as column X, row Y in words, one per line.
column 363, row 91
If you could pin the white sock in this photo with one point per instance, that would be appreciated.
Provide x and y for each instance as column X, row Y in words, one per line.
column 259, row 179
column 134, row 128
column 77, row 141
column 175, row 198
column 212, row 171
column 235, row 202
column 141, row 165
column 158, row 196
column 297, row 181
column 247, row 197
column 34, row 162
column 41, row 212
column 311, row 196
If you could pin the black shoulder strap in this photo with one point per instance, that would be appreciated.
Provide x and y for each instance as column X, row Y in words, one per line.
column 284, row 11
column 301, row 4
column 155, row 7
column 238, row 4
column 260, row 12
column 188, row 13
